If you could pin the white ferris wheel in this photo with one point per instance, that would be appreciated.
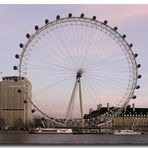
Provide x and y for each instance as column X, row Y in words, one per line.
column 76, row 63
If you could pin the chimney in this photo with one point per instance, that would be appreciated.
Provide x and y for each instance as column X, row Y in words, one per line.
column 91, row 110
column 133, row 106
column 99, row 106
column 125, row 108
column 107, row 106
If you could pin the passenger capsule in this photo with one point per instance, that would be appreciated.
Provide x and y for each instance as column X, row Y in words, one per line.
column 124, row 36
column 15, row 79
column 27, row 35
column 17, row 56
column 138, row 65
column 137, row 87
column 15, row 67
column 42, row 118
column 131, row 45
column 70, row 15
column 36, row 27
column 46, row 21
column 115, row 28
column 82, row 15
column 136, row 55
column 25, row 101
column 58, row 17
column 94, row 18
column 19, row 91
column 134, row 97
column 21, row 45
column 105, row 22
column 139, row 76
column 33, row 110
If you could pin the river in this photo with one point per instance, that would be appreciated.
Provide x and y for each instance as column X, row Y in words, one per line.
column 72, row 139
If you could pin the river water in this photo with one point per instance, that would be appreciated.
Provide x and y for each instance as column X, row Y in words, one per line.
column 72, row 139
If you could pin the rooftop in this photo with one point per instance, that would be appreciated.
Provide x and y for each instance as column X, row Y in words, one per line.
column 129, row 111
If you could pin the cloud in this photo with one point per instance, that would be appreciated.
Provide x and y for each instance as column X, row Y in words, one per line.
column 116, row 11
column 17, row 20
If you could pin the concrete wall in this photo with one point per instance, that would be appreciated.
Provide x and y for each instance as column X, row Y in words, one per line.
column 13, row 110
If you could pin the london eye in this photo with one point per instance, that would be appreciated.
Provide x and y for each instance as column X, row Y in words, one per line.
column 76, row 63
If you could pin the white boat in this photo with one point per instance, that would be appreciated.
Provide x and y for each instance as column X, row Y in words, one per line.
column 52, row 131
column 126, row 132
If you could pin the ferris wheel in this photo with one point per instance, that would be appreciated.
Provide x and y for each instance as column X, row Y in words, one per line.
column 76, row 63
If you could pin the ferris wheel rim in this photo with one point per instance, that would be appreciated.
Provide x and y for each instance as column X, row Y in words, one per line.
column 88, row 20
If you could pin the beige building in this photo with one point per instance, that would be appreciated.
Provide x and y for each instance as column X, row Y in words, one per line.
column 129, row 118
column 15, row 108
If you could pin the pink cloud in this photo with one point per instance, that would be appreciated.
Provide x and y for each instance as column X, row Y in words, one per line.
column 116, row 12
column 140, row 102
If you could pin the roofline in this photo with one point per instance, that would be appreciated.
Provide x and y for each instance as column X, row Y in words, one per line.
column 12, row 77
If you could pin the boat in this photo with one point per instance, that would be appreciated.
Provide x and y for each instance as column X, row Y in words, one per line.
column 127, row 132
column 52, row 131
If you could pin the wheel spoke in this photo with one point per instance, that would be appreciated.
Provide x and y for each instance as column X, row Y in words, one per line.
column 76, row 63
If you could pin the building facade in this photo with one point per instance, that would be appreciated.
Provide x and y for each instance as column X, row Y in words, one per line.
column 15, row 108
column 130, row 118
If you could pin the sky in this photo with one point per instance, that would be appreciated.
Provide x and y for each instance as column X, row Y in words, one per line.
column 17, row 20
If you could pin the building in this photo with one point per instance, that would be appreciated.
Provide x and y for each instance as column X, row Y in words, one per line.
column 130, row 118
column 15, row 108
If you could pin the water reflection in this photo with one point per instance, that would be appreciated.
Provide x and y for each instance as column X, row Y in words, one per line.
column 25, row 138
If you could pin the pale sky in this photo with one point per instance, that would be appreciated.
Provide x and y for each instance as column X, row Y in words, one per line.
column 17, row 20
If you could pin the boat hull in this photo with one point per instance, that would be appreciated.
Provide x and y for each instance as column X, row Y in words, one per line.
column 127, row 132
column 51, row 131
